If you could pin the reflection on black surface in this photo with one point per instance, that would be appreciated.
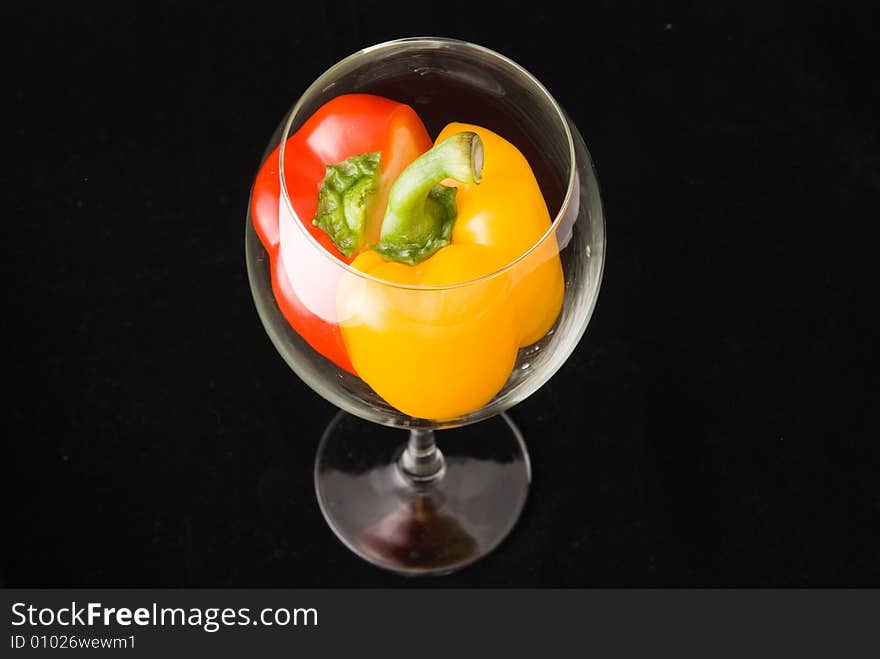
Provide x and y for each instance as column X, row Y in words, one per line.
column 418, row 535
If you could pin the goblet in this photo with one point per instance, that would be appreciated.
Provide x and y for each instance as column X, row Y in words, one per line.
column 397, row 500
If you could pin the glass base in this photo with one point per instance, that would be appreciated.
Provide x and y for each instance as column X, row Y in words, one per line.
column 421, row 526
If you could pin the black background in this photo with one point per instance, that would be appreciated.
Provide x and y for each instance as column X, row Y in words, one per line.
column 717, row 426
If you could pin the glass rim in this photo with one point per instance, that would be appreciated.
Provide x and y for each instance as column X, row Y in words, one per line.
column 329, row 73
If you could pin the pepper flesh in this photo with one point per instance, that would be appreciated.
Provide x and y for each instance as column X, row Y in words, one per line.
column 441, row 353
column 346, row 126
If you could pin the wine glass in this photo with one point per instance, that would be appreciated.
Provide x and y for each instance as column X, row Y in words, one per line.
column 398, row 501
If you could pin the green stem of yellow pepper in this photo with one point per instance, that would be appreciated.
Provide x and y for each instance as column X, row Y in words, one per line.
column 421, row 214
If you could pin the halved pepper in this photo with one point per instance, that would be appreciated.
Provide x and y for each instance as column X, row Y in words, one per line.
column 347, row 126
column 430, row 347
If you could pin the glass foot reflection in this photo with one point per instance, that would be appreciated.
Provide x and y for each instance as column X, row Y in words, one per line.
column 432, row 522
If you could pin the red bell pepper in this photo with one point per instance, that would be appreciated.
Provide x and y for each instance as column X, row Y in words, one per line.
column 344, row 127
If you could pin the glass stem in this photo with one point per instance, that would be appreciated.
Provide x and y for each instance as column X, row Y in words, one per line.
column 421, row 460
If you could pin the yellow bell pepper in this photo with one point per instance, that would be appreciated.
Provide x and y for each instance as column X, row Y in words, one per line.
column 443, row 341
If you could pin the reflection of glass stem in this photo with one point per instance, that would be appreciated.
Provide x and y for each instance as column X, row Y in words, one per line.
column 421, row 460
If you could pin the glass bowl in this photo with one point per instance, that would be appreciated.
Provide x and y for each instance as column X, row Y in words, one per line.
column 397, row 501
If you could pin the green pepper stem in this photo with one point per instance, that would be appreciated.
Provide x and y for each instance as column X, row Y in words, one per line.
column 459, row 157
